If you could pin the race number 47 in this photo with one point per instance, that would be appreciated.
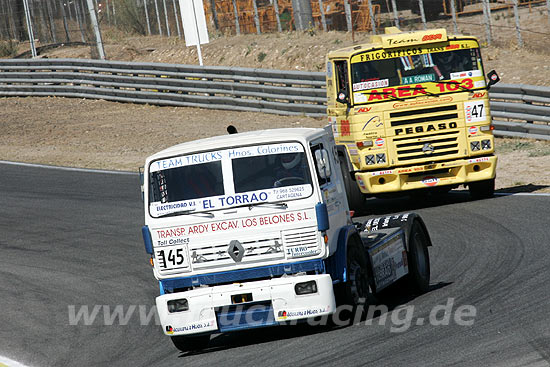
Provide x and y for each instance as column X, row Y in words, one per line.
column 475, row 111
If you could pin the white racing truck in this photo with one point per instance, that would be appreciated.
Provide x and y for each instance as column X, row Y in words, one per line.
column 253, row 229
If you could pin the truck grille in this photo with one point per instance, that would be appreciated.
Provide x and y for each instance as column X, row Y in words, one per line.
column 429, row 134
column 270, row 247
column 426, row 147
column 424, row 111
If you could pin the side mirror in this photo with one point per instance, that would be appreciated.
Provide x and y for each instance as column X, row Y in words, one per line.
column 493, row 78
column 323, row 165
column 343, row 97
column 141, row 180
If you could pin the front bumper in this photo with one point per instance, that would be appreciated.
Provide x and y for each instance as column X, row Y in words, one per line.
column 211, row 309
column 432, row 175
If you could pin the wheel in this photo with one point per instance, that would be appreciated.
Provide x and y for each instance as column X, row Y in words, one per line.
column 482, row 189
column 288, row 181
column 191, row 343
column 356, row 199
column 355, row 291
column 418, row 259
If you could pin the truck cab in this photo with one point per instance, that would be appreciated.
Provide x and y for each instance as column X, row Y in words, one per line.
column 410, row 110
column 253, row 229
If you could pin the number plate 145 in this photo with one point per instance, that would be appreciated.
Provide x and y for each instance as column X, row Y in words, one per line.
column 171, row 258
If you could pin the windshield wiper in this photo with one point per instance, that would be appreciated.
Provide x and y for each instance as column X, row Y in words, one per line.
column 385, row 93
column 280, row 205
column 186, row 212
column 425, row 91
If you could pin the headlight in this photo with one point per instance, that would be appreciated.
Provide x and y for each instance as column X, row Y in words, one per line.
column 381, row 158
column 369, row 159
column 306, row 287
column 178, row 305
column 474, row 145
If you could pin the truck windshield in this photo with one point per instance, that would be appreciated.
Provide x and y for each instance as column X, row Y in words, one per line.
column 371, row 77
column 227, row 178
column 267, row 171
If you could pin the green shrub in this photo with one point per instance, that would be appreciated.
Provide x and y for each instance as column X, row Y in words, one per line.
column 261, row 56
column 8, row 48
column 130, row 17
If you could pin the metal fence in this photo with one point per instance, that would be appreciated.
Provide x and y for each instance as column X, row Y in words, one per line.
column 518, row 110
column 233, row 88
column 63, row 21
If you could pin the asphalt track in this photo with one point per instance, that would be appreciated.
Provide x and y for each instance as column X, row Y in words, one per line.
column 73, row 238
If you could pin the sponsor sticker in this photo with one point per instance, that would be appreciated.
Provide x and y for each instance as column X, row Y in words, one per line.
column 379, row 142
column 308, row 312
column 479, row 84
column 363, row 109
column 477, row 160
column 371, row 84
column 380, row 173
column 472, row 130
column 345, row 128
column 360, row 98
column 302, row 251
column 466, row 74
column 430, row 181
column 413, row 79
column 334, row 126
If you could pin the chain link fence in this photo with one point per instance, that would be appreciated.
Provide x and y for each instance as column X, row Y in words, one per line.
column 52, row 22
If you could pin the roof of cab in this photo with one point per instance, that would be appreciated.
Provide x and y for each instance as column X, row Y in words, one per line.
column 375, row 43
column 239, row 139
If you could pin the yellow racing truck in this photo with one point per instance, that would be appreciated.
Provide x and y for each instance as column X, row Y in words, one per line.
column 409, row 111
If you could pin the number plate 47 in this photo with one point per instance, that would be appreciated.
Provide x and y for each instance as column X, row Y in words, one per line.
column 475, row 111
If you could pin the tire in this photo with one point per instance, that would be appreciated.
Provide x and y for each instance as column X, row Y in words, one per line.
column 418, row 259
column 191, row 343
column 482, row 189
column 356, row 199
column 355, row 292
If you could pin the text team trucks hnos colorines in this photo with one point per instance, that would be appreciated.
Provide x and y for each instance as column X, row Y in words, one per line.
column 410, row 111
column 253, row 229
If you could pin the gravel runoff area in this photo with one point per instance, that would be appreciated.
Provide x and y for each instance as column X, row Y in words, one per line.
column 116, row 136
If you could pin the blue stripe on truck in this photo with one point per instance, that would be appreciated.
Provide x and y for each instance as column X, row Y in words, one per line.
column 317, row 266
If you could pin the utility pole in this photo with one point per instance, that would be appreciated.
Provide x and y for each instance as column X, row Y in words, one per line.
column 65, row 25
column 166, row 18
column 97, row 32
column 147, row 18
column 29, row 27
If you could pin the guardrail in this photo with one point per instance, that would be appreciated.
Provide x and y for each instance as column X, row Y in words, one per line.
column 528, row 104
column 526, row 108
column 234, row 88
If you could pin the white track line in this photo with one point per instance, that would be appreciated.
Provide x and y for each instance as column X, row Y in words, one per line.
column 505, row 193
column 521, row 194
column 89, row 170
column 6, row 362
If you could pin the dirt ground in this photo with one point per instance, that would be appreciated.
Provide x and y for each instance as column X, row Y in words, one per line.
column 307, row 50
column 106, row 135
